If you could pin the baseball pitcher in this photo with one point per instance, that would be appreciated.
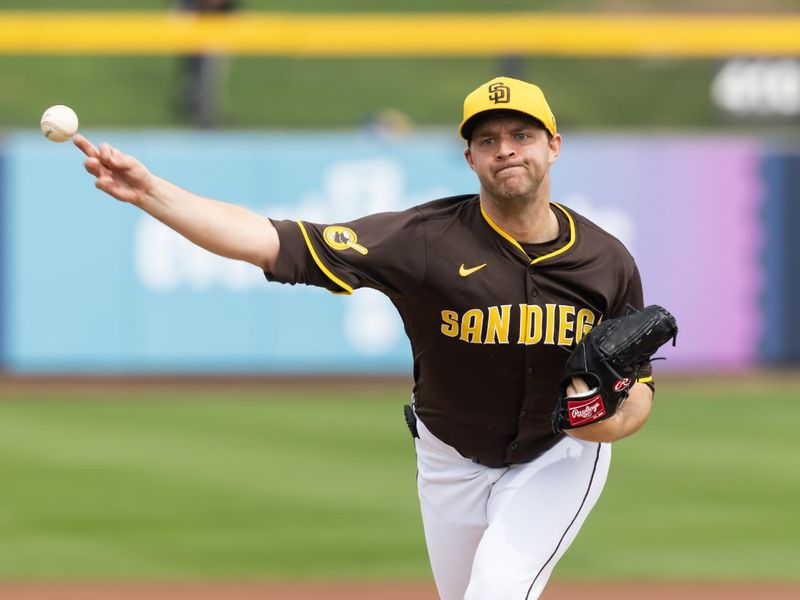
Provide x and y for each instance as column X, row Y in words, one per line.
column 530, row 338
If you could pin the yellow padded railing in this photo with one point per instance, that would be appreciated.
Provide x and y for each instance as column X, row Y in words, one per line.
column 337, row 35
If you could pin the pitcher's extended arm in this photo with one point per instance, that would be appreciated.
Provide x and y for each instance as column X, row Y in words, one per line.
column 219, row 227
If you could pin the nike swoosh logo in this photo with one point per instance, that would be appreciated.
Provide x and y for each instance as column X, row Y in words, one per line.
column 464, row 272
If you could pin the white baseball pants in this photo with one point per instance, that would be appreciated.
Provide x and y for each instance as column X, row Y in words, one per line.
column 496, row 534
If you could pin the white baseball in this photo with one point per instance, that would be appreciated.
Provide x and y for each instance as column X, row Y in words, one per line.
column 59, row 123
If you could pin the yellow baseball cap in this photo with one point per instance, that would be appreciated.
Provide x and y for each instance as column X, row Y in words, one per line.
column 505, row 93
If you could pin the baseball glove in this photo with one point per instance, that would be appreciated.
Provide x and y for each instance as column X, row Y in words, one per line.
column 608, row 358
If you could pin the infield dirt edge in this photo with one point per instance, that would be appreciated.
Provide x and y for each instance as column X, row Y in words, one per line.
column 384, row 591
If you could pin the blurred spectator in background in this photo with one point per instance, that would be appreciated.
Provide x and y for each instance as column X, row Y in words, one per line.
column 389, row 123
column 200, row 74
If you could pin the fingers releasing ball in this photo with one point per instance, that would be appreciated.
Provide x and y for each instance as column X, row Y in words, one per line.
column 59, row 123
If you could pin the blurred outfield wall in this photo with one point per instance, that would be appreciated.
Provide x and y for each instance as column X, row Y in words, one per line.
column 89, row 285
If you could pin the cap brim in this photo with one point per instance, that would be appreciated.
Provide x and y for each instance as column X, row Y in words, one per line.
column 466, row 127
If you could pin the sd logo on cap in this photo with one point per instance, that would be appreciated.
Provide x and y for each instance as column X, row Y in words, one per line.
column 506, row 93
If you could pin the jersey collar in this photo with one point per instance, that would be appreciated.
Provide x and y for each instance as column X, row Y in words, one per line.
column 517, row 245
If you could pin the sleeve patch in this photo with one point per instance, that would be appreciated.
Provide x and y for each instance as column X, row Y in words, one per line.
column 346, row 289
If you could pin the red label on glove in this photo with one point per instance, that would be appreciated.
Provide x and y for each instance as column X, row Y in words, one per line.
column 582, row 412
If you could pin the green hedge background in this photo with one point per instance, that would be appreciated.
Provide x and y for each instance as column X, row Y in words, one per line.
column 265, row 92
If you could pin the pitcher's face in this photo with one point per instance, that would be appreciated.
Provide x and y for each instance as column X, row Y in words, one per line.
column 511, row 155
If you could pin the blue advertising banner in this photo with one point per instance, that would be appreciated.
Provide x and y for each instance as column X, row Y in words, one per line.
column 780, row 340
column 95, row 286
column 99, row 286
column 3, row 254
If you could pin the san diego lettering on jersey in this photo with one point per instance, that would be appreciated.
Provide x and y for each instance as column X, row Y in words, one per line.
column 489, row 319
column 549, row 324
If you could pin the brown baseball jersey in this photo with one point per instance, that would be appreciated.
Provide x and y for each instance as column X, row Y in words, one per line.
column 491, row 321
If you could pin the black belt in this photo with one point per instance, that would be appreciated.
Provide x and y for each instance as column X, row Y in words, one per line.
column 411, row 421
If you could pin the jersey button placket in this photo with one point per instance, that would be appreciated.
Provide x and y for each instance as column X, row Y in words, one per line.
column 531, row 291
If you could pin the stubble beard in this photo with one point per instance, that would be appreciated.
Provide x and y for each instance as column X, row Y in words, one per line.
column 514, row 196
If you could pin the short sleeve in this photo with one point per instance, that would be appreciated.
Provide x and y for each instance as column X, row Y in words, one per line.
column 630, row 295
column 633, row 297
column 385, row 251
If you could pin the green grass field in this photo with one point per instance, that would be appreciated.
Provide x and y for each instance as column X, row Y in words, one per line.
column 283, row 483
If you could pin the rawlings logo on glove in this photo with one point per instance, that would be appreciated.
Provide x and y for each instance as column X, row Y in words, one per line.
column 622, row 385
column 608, row 359
column 581, row 412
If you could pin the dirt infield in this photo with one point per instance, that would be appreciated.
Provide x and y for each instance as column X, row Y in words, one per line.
column 10, row 382
column 385, row 591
